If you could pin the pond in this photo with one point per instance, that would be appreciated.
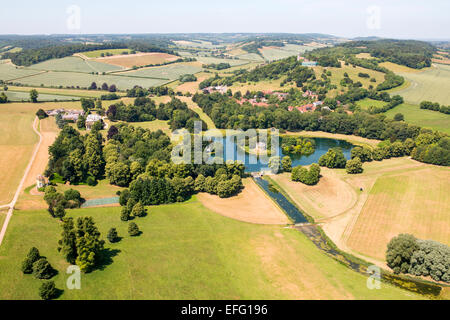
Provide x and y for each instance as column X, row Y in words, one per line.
column 254, row 164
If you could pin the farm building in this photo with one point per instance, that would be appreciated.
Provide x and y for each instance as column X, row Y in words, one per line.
column 40, row 181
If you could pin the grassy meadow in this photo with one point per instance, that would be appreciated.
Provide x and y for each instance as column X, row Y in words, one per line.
column 421, row 117
column 433, row 84
column 169, row 72
column 98, row 53
column 74, row 64
column 185, row 252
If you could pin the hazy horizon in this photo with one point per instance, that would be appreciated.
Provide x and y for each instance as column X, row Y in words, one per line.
column 401, row 19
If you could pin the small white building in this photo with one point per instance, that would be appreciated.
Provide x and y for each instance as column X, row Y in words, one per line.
column 40, row 182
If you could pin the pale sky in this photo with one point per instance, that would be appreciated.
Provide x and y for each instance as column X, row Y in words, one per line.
column 416, row 19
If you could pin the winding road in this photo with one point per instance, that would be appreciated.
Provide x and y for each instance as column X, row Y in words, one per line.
column 22, row 181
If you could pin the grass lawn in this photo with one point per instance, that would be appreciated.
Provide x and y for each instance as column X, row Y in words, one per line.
column 25, row 96
column 186, row 252
column 366, row 103
column 412, row 200
column 153, row 125
column 194, row 107
column 421, row 117
column 102, row 190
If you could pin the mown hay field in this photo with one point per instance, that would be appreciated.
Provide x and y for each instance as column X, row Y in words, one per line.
column 17, row 141
column 185, row 251
column 25, row 96
column 98, row 53
column 412, row 200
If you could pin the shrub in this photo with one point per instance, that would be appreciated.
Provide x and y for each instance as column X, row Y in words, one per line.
column 139, row 210
column 112, row 235
column 47, row 290
column 334, row 158
column 124, row 214
column 42, row 269
column 91, row 181
column 133, row 229
column 41, row 114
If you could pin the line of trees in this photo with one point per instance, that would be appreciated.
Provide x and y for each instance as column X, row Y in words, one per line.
column 435, row 107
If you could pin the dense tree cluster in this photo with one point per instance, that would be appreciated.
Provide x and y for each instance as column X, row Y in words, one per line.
column 309, row 177
column 217, row 66
column 406, row 254
column 144, row 109
column 334, row 158
column 435, row 107
column 297, row 145
column 30, row 56
column 75, row 157
column 188, row 78
column 354, row 166
column 80, row 244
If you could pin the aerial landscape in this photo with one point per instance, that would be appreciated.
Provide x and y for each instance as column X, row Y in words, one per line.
column 216, row 164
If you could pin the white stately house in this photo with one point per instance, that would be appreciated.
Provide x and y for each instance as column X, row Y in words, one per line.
column 91, row 120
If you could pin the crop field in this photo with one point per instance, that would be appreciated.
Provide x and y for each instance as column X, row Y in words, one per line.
column 138, row 59
column 17, row 141
column 432, row 85
column 11, row 72
column 191, row 86
column 185, row 251
column 412, row 200
column 74, row 64
column 421, row 117
column 84, row 80
column 25, row 96
column 169, row 72
column 251, row 57
column 98, row 53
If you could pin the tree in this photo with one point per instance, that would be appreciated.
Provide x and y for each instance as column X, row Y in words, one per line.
column 275, row 164
column 59, row 212
column 399, row 252
column 87, row 104
column 139, row 210
column 124, row 214
column 89, row 245
column 354, row 166
column 199, row 184
column 133, row 229
column 42, row 269
column 67, row 245
column 112, row 88
column 47, row 290
column 286, row 164
column 32, row 256
column 112, row 235
column 334, row 158
column 41, row 114
column 105, row 86
column 308, row 177
column 112, row 131
column 34, row 95
column 118, row 173
column 399, row 117
column 93, row 86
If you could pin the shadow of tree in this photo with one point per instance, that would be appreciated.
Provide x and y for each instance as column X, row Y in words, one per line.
column 106, row 258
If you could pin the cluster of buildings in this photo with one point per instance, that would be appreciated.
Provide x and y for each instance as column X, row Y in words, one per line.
column 74, row 115
column 310, row 107
column 220, row 89
column 263, row 102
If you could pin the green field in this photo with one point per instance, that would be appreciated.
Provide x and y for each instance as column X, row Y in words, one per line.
column 251, row 57
column 421, row 117
column 366, row 103
column 25, row 96
column 153, row 125
column 11, row 72
column 209, row 60
column 432, row 84
column 186, row 252
column 84, row 80
column 74, row 64
column 169, row 72
column 98, row 53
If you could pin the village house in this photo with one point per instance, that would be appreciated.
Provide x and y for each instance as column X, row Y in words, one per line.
column 41, row 182
column 91, row 119
column 67, row 115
